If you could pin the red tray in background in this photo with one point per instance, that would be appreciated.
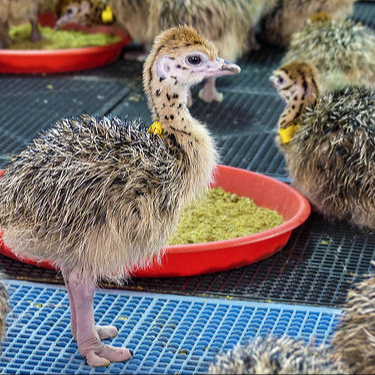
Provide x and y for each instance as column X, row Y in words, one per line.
column 187, row 260
column 63, row 60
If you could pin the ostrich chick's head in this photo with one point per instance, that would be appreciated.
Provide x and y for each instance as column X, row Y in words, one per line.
column 296, row 81
column 181, row 57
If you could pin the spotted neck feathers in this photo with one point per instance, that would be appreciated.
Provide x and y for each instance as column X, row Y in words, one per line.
column 301, row 94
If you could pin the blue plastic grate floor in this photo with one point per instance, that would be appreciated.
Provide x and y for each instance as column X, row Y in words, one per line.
column 168, row 334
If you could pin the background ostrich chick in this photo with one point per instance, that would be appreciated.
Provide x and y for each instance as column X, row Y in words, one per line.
column 18, row 11
column 329, row 143
column 229, row 24
column 354, row 341
column 82, row 12
column 289, row 16
column 99, row 197
column 344, row 51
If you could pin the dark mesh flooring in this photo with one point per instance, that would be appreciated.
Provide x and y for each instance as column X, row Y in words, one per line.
column 321, row 260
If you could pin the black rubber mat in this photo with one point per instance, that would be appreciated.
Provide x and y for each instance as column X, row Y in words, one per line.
column 321, row 260
column 255, row 152
column 364, row 13
column 29, row 105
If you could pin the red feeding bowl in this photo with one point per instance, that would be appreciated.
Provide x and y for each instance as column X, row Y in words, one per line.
column 63, row 60
column 186, row 260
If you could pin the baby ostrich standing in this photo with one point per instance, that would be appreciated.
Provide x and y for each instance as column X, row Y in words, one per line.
column 329, row 143
column 99, row 197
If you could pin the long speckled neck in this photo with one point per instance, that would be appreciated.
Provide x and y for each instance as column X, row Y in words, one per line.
column 297, row 102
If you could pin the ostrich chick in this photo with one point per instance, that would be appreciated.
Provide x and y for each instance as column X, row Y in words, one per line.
column 329, row 143
column 99, row 197
column 290, row 16
column 269, row 355
column 352, row 350
column 18, row 11
column 354, row 341
column 83, row 12
column 344, row 51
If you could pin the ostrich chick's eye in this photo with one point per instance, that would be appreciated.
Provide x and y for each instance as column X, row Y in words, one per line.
column 194, row 60
column 281, row 79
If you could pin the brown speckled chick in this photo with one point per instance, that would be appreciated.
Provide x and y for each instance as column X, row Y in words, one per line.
column 344, row 51
column 82, row 12
column 99, row 196
column 12, row 11
column 290, row 16
column 354, row 340
column 329, row 143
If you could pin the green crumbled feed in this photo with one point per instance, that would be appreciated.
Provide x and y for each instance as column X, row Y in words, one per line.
column 222, row 216
column 57, row 39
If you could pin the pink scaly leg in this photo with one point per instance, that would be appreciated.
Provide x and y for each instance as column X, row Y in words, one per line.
column 35, row 33
column 105, row 332
column 209, row 93
column 81, row 296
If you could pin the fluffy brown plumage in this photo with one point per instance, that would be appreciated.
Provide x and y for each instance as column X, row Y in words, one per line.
column 352, row 350
column 344, row 51
column 99, row 197
column 277, row 356
column 330, row 157
column 289, row 16
column 354, row 341
column 12, row 11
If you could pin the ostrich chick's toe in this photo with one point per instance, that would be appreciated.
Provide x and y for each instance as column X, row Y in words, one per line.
column 89, row 336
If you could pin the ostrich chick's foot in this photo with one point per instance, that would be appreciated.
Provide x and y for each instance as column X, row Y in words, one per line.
column 88, row 336
column 35, row 35
column 209, row 93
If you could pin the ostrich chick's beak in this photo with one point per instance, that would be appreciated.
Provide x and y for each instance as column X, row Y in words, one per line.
column 220, row 67
column 274, row 81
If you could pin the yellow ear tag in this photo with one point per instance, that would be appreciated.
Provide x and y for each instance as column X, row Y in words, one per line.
column 286, row 134
column 156, row 129
column 107, row 15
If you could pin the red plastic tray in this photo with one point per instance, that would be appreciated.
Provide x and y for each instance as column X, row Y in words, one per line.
column 63, row 60
column 186, row 260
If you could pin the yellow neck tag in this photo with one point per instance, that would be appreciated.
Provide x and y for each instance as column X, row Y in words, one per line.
column 156, row 129
column 286, row 134
column 107, row 15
